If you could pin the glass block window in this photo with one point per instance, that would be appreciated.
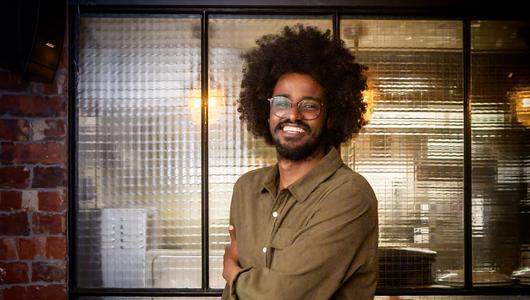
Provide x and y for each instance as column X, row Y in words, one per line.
column 411, row 151
column 138, row 148
column 138, row 152
column 500, row 91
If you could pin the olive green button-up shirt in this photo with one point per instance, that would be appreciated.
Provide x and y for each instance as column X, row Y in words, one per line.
column 316, row 239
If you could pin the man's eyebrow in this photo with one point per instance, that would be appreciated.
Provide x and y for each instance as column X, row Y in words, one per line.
column 312, row 98
column 284, row 95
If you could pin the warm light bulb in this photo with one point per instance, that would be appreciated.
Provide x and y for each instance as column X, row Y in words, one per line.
column 525, row 102
column 213, row 105
column 521, row 101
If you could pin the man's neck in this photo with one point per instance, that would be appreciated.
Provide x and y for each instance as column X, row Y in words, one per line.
column 290, row 171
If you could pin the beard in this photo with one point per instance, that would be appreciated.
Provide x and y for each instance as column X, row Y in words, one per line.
column 300, row 152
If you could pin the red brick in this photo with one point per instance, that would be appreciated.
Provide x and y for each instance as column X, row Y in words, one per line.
column 12, row 82
column 32, row 248
column 48, row 130
column 14, row 130
column 49, row 177
column 47, row 153
column 49, row 224
column 52, row 201
column 56, row 247
column 10, row 200
column 47, row 292
column 14, row 224
column 32, row 106
column 44, row 153
column 48, row 271
column 14, row 292
column 14, row 177
column 50, row 88
column 8, row 249
column 9, row 153
column 15, row 272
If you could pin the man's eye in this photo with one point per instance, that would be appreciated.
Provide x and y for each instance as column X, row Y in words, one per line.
column 310, row 106
column 281, row 103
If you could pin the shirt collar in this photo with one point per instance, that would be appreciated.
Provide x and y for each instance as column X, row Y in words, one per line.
column 303, row 187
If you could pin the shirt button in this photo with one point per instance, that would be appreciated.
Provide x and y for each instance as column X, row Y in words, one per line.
column 264, row 249
column 275, row 214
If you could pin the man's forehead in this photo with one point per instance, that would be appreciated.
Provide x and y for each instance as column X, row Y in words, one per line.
column 295, row 83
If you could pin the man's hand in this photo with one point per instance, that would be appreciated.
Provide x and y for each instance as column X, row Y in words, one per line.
column 230, row 259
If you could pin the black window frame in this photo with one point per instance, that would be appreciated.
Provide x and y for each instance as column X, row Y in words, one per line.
column 336, row 10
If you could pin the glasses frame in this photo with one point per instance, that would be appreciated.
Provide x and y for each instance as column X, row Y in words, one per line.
column 321, row 105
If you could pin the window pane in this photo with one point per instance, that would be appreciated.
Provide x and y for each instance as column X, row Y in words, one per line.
column 500, row 92
column 232, row 150
column 411, row 151
column 139, row 166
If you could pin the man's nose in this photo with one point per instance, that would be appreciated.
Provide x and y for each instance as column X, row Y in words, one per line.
column 294, row 114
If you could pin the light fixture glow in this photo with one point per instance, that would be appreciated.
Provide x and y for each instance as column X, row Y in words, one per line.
column 521, row 103
column 525, row 102
column 214, row 104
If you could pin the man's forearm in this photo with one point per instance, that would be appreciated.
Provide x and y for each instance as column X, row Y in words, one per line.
column 230, row 259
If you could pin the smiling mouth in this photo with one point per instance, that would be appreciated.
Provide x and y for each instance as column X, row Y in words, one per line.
column 292, row 129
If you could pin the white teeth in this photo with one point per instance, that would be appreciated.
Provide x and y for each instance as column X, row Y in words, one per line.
column 292, row 129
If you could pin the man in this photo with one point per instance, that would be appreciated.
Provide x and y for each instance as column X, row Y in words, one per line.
column 305, row 228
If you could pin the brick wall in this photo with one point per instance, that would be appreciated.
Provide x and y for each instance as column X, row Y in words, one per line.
column 33, row 179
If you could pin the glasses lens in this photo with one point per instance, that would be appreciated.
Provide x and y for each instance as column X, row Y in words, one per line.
column 309, row 109
column 281, row 106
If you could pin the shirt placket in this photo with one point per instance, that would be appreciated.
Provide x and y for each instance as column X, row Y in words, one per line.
column 276, row 217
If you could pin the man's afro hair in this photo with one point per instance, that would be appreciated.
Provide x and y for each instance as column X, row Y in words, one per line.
column 304, row 50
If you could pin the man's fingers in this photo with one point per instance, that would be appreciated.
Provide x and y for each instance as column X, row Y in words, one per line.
column 232, row 232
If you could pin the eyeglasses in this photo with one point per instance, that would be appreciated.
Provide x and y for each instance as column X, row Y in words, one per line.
column 281, row 107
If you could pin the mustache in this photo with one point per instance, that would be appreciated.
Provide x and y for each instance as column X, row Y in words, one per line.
column 297, row 122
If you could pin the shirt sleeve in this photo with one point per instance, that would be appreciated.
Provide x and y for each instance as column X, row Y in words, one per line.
column 339, row 240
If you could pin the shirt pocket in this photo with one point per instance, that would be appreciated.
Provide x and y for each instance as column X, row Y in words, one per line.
column 283, row 238
column 277, row 258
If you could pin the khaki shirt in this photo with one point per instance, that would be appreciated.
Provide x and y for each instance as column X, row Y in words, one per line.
column 316, row 239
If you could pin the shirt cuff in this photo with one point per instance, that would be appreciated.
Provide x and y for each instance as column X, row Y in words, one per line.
column 233, row 284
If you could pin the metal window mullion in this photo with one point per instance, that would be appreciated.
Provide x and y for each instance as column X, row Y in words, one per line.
column 404, row 291
column 468, row 237
column 204, row 154
column 336, row 24
column 336, row 35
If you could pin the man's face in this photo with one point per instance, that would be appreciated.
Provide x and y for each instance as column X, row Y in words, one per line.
column 294, row 137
